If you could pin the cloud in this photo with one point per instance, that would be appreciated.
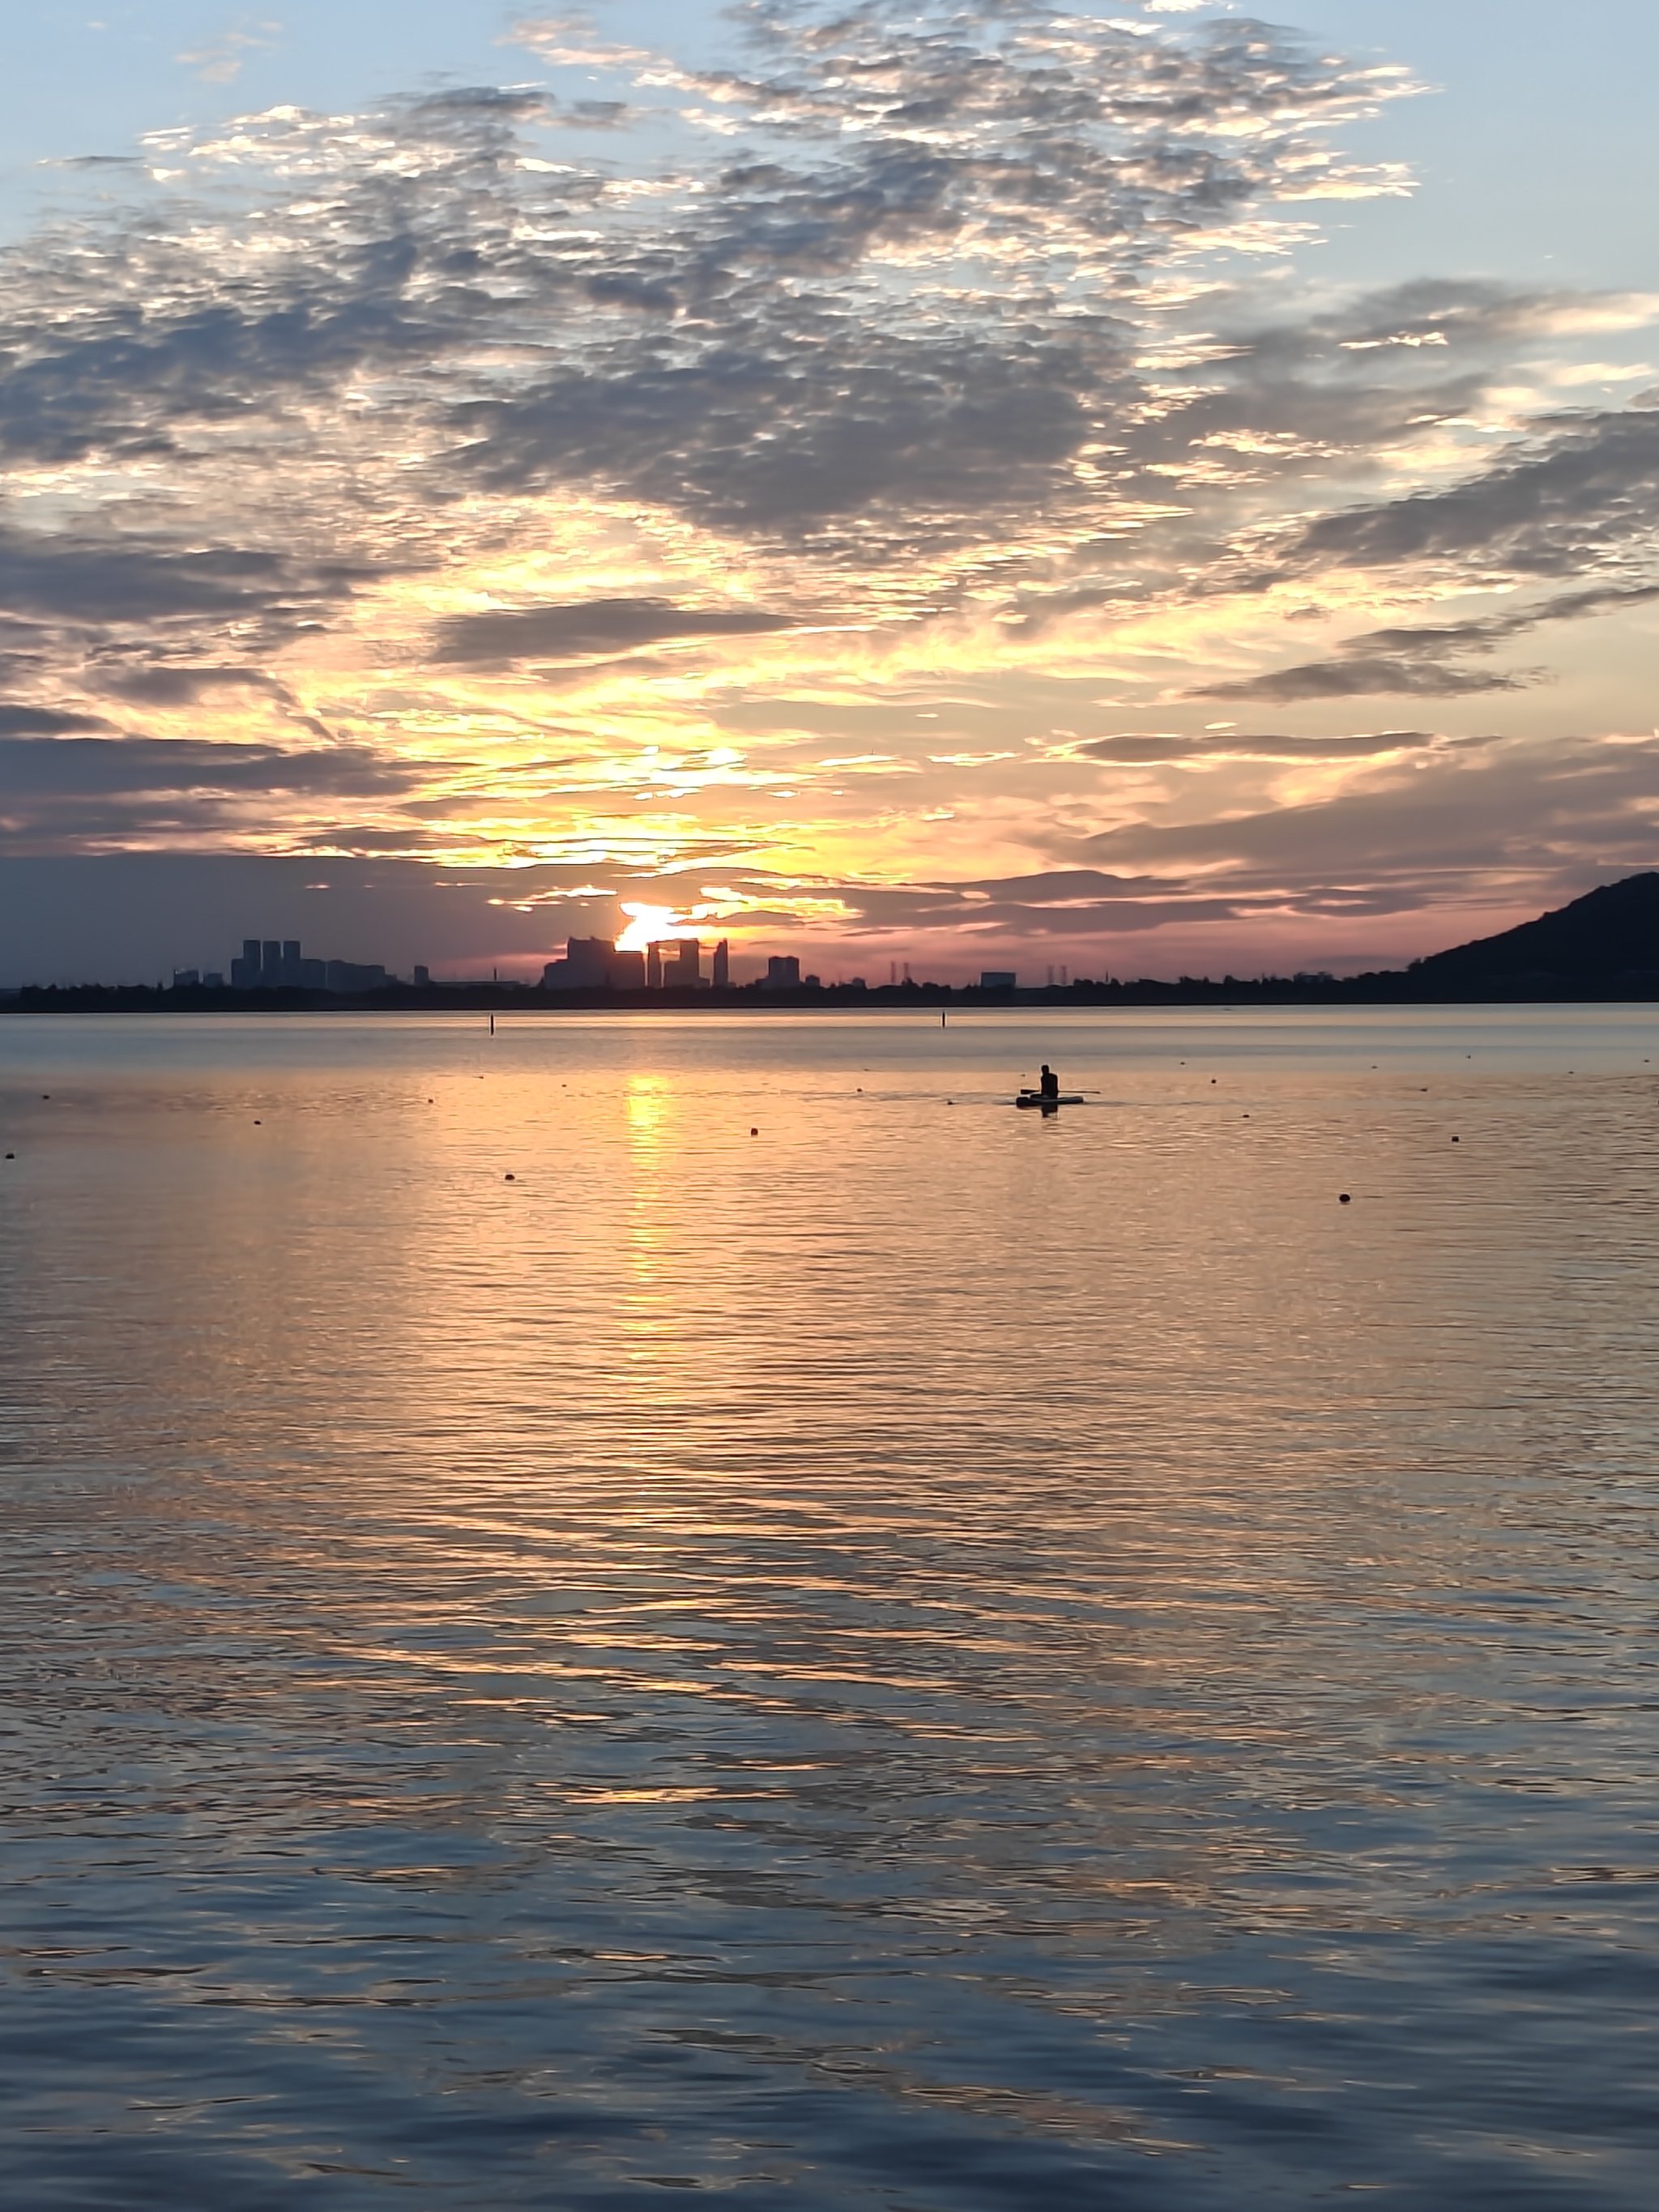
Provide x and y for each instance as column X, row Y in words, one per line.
column 1354, row 675
column 1134, row 748
column 592, row 627
column 60, row 794
column 121, row 579
column 1421, row 661
column 403, row 438
column 220, row 61
column 1435, row 825
column 1586, row 490
column 19, row 719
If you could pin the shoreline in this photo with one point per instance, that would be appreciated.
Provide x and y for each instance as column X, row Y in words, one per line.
column 1365, row 992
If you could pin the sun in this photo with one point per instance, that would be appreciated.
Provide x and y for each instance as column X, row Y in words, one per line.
column 651, row 925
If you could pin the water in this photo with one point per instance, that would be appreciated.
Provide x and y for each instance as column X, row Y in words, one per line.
column 920, row 1658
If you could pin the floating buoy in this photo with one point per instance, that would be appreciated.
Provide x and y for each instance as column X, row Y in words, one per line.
column 1346, row 1199
column 1457, row 1141
column 509, row 1178
column 754, row 1132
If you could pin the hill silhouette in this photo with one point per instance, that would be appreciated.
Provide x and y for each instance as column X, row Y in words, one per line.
column 1609, row 937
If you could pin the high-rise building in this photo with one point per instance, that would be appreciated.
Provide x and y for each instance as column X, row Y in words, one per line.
column 587, row 966
column 684, row 971
column 628, row 971
column 422, row 976
column 654, row 967
column 783, row 972
column 722, row 966
column 270, row 963
column 588, row 959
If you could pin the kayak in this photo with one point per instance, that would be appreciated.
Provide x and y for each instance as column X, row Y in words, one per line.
column 1036, row 1098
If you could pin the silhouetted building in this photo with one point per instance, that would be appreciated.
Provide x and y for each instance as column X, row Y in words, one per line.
column 353, row 975
column 684, row 972
column 587, row 964
column 654, row 967
column 722, row 965
column 273, row 964
column 185, row 979
column 998, row 979
column 783, row 972
column 422, row 976
column 213, row 980
column 593, row 964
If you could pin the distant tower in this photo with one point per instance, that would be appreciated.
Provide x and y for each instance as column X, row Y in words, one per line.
column 722, row 966
column 654, row 967
column 270, row 964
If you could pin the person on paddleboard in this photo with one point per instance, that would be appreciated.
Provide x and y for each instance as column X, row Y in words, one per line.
column 1050, row 1082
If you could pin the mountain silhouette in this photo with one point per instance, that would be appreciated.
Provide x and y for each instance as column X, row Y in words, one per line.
column 1608, row 937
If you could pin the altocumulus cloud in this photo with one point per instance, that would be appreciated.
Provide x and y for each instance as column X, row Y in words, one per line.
column 915, row 344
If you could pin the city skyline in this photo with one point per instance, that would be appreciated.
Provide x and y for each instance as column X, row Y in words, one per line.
column 964, row 484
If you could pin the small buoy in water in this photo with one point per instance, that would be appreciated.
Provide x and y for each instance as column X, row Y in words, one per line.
column 45, row 1096
column 754, row 1132
column 1346, row 1199
column 11, row 1155
column 259, row 1124
column 1457, row 1141
column 509, row 1178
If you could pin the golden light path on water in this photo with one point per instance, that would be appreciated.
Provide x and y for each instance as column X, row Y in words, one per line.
column 829, row 1640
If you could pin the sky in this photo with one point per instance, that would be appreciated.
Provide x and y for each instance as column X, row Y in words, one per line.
column 1140, row 488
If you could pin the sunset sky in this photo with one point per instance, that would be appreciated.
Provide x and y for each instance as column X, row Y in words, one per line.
column 977, row 484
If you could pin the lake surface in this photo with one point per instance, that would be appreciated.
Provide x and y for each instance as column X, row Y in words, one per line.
column 829, row 1643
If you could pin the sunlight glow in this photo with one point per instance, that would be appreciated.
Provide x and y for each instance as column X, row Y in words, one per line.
column 650, row 924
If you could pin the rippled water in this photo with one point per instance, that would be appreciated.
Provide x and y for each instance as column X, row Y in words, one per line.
column 830, row 1642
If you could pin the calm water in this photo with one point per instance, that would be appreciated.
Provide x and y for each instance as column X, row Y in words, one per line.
column 919, row 1658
